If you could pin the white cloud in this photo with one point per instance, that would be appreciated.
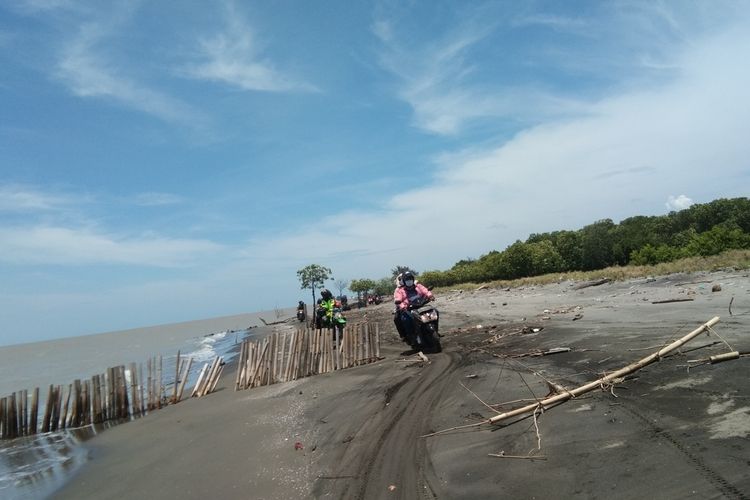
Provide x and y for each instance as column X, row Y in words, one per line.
column 234, row 58
column 678, row 203
column 65, row 246
column 436, row 80
column 615, row 160
column 88, row 71
column 18, row 198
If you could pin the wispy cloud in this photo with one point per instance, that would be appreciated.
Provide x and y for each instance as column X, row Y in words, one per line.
column 234, row 57
column 19, row 198
column 437, row 80
column 50, row 245
column 563, row 23
column 156, row 199
column 88, row 72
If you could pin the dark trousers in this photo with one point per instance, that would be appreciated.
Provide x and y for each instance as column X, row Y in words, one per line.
column 404, row 324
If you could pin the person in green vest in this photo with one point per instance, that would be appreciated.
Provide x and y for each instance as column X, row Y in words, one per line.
column 330, row 316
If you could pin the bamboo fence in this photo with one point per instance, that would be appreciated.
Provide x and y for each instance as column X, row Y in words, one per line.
column 118, row 394
column 282, row 357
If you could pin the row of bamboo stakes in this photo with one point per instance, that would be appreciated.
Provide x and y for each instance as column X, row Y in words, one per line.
column 117, row 394
column 282, row 357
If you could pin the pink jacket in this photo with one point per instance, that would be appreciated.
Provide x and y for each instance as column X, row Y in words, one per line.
column 401, row 295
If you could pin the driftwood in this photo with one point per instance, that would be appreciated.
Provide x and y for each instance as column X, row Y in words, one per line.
column 587, row 284
column 564, row 395
column 554, row 350
column 671, row 300
column 719, row 358
column 559, row 398
column 273, row 322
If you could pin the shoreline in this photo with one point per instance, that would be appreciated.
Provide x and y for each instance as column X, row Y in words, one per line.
column 359, row 430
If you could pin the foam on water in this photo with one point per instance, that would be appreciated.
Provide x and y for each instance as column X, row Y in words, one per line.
column 35, row 466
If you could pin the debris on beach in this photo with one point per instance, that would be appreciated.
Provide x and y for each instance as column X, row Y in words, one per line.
column 562, row 394
column 298, row 446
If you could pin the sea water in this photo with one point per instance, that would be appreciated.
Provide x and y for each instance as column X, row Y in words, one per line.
column 35, row 466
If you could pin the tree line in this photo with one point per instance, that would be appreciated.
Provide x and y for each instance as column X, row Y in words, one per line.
column 701, row 230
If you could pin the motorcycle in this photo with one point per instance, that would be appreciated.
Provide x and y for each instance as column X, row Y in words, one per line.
column 301, row 315
column 426, row 321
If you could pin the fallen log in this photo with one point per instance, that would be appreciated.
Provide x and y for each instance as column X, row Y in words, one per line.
column 633, row 367
column 587, row 284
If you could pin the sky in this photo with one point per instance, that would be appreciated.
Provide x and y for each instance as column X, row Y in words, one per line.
column 171, row 161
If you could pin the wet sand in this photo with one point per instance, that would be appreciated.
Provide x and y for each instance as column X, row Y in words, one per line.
column 665, row 432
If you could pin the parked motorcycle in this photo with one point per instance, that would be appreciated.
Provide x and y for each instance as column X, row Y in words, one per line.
column 426, row 321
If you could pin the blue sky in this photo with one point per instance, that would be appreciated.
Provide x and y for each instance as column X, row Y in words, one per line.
column 170, row 161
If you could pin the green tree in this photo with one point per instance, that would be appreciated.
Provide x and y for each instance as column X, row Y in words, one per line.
column 596, row 245
column 312, row 277
column 360, row 287
column 384, row 286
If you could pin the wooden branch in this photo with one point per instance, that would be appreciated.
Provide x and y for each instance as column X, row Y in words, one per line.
column 587, row 284
column 671, row 300
column 478, row 398
column 548, row 402
column 524, row 457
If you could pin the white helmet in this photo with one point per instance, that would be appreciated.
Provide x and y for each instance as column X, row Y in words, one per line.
column 400, row 280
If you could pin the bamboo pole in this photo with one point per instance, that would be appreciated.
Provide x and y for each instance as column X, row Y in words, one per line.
column 47, row 410
column 282, row 357
column 57, row 401
column 96, row 400
column 160, row 380
column 85, row 403
column 176, row 377
column 240, row 365
column 183, row 381
column 377, row 340
column 633, row 367
column 136, row 412
column 33, row 418
column 217, row 376
column 141, row 404
column 150, row 386
column 75, row 414
column 12, row 419
column 24, row 412
column 3, row 423
column 200, row 380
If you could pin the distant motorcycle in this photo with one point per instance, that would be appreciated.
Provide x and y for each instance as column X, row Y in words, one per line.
column 425, row 321
column 301, row 315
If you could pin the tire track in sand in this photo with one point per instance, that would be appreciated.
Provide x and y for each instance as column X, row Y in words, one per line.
column 397, row 454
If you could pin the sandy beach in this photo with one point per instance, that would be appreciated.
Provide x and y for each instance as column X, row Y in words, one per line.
column 664, row 432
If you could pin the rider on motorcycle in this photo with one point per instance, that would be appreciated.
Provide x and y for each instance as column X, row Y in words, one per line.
column 408, row 291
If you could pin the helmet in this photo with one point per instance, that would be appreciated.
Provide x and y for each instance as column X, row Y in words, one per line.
column 326, row 294
column 399, row 280
column 408, row 279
